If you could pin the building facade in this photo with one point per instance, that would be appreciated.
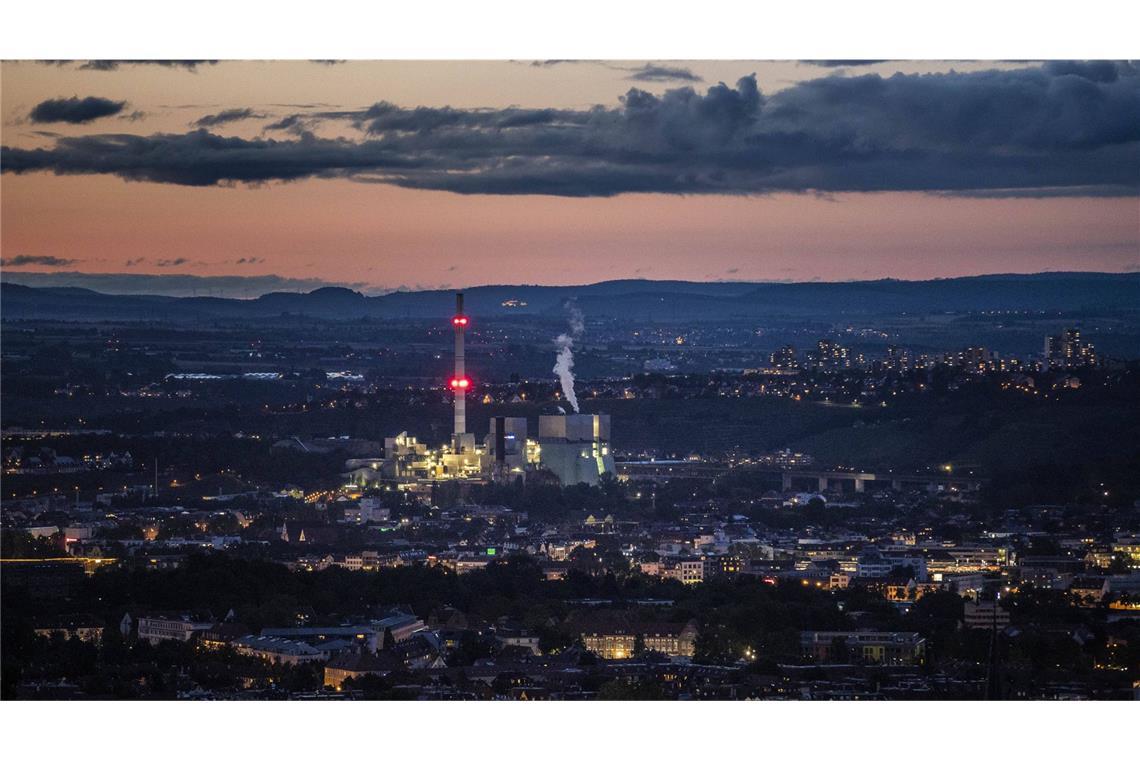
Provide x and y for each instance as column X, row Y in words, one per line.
column 867, row 647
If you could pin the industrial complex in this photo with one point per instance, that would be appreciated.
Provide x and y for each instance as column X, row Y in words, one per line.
column 575, row 448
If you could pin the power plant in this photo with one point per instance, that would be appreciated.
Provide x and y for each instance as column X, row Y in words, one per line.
column 575, row 448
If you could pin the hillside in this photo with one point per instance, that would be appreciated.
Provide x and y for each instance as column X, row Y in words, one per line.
column 657, row 301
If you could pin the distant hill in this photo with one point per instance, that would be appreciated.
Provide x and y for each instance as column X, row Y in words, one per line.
column 659, row 301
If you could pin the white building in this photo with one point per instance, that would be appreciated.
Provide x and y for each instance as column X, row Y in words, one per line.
column 177, row 626
column 576, row 447
column 278, row 651
column 373, row 510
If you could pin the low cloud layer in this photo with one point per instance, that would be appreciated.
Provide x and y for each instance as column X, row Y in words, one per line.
column 846, row 63
column 25, row 260
column 1056, row 129
column 75, row 110
column 107, row 64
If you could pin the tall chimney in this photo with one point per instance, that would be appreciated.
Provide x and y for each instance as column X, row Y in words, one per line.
column 459, row 382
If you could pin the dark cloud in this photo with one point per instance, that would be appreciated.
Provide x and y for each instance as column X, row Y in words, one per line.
column 171, row 262
column 649, row 72
column 1096, row 71
column 24, row 260
column 1055, row 129
column 656, row 73
column 105, row 64
column 835, row 64
column 250, row 260
column 297, row 124
column 386, row 118
column 304, row 105
column 201, row 158
column 229, row 115
column 75, row 110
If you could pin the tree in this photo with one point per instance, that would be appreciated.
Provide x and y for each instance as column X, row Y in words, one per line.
column 620, row 690
column 901, row 573
column 839, row 652
column 370, row 685
column 714, row 645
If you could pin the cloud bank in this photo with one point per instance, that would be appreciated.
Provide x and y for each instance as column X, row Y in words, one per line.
column 106, row 64
column 1055, row 129
column 24, row 260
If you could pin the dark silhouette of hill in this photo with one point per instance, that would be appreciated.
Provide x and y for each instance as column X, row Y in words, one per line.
column 651, row 300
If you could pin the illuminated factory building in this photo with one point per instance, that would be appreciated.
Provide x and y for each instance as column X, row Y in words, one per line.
column 507, row 447
column 575, row 447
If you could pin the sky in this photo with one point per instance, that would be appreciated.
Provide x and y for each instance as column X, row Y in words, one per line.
column 404, row 174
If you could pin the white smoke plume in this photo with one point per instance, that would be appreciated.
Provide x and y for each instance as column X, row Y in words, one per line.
column 577, row 319
column 564, row 366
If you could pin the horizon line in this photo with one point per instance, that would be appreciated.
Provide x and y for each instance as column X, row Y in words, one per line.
column 273, row 283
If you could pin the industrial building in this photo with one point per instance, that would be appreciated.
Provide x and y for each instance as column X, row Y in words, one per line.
column 506, row 446
column 574, row 447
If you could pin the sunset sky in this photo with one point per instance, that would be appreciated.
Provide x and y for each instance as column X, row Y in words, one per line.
column 442, row 174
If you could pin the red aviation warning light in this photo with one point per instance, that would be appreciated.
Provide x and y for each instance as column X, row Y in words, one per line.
column 459, row 320
column 460, row 383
